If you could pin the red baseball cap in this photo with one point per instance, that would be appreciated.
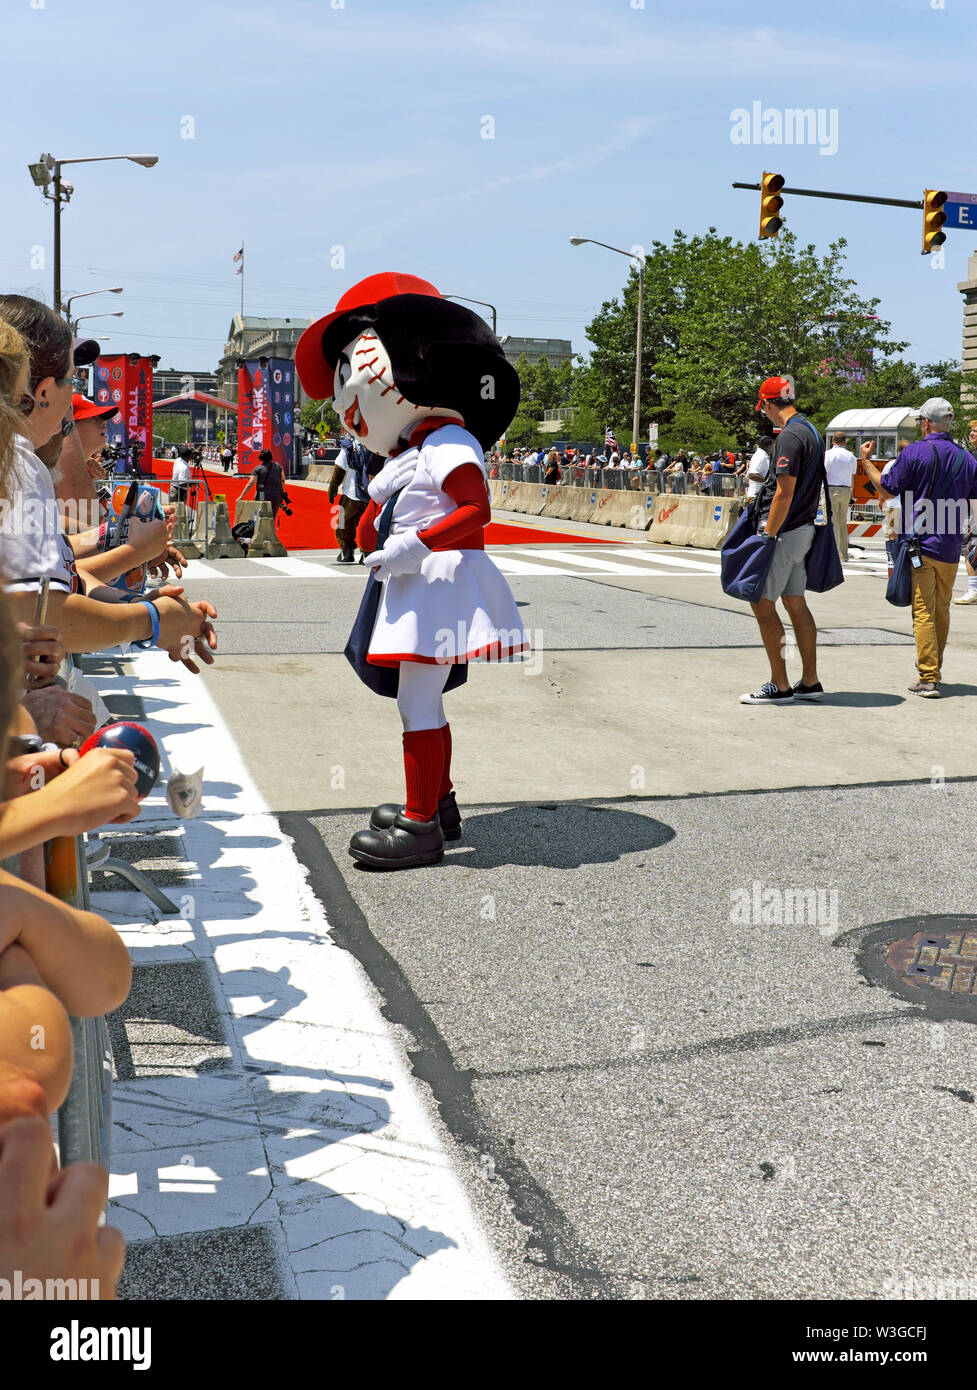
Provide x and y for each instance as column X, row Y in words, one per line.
column 315, row 372
column 84, row 409
column 776, row 388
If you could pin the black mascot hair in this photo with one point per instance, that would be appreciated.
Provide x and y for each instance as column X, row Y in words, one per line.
column 442, row 354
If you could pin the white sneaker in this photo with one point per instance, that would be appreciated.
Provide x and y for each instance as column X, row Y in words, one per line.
column 969, row 597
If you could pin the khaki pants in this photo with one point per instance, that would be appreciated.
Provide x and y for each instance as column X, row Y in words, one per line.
column 840, row 502
column 932, row 591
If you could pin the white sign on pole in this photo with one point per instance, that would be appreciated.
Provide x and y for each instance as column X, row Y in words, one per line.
column 653, row 432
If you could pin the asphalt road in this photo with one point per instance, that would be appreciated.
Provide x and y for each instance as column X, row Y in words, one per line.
column 662, row 1081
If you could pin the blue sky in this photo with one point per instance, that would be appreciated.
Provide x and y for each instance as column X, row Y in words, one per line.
column 360, row 126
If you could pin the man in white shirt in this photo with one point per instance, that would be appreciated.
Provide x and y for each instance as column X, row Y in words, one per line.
column 840, row 464
column 352, row 506
column 759, row 466
column 180, row 480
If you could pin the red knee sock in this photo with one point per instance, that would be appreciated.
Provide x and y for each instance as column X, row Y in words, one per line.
column 446, row 772
column 423, row 765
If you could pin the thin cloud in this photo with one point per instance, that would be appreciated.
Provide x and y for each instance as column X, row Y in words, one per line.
column 627, row 133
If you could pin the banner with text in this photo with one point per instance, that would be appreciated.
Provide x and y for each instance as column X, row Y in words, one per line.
column 281, row 393
column 254, row 415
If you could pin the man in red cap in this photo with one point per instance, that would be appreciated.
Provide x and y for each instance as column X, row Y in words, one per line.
column 787, row 505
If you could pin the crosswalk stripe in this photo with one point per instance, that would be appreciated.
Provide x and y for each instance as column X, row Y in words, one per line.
column 297, row 569
column 586, row 562
column 654, row 557
column 510, row 566
column 198, row 569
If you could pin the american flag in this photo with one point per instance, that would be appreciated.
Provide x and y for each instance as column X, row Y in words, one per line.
column 240, row 257
column 609, row 437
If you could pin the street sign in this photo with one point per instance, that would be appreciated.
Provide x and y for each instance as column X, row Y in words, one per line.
column 653, row 432
column 961, row 210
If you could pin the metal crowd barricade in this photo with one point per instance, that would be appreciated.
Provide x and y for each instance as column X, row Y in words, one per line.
column 85, row 1118
column 506, row 472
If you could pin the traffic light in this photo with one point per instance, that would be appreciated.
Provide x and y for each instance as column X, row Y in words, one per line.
column 770, row 205
column 933, row 220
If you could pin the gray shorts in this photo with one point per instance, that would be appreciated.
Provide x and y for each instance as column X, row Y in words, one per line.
column 788, row 569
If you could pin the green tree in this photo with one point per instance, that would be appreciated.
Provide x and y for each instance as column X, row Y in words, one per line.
column 317, row 417
column 524, row 431
column 526, row 373
column 546, row 390
column 172, row 426
column 721, row 315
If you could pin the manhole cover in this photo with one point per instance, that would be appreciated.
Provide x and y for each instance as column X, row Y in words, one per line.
column 931, row 961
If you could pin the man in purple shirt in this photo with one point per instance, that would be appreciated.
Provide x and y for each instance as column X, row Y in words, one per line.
column 935, row 481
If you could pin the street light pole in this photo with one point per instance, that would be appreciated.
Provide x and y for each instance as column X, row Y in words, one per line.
column 485, row 305
column 41, row 173
column 632, row 256
column 637, row 356
column 57, row 238
column 85, row 294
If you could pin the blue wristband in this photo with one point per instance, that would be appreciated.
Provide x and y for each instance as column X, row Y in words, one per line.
column 154, row 616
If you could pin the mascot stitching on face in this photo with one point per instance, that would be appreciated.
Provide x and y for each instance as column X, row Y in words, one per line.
column 424, row 383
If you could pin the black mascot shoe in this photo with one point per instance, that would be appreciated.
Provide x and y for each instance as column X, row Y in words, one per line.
column 402, row 845
column 346, row 557
column 447, row 813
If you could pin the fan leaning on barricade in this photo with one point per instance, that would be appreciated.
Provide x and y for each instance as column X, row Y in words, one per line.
column 89, row 615
column 55, row 960
column 935, row 480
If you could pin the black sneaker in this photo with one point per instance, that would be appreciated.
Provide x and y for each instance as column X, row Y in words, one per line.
column 808, row 692
column 768, row 695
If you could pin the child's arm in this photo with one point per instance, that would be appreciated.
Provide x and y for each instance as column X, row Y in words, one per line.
column 95, row 790
column 34, row 1030
column 78, row 955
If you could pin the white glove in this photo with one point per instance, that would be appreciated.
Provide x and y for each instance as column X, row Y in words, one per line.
column 394, row 475
column 403, row 553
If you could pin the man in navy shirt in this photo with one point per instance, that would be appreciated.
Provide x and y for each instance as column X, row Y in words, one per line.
column 935, row 481
column 787, row 505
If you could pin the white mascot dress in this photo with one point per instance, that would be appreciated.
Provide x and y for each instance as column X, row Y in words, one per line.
column 421, row 381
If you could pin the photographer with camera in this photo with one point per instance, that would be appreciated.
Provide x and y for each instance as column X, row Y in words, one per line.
column 268, row 480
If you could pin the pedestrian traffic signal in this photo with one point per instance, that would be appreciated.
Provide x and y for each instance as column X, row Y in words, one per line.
column 933, row 220
column 770, row 205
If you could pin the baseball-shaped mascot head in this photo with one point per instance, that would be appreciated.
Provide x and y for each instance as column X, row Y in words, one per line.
column 394, row 351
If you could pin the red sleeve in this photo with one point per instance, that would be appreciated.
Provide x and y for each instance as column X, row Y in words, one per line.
column 366, row 531
column 462, row 529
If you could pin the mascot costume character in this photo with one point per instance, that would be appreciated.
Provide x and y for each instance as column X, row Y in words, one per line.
column 421, row 381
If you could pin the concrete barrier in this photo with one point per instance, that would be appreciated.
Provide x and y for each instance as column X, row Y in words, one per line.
column 525, row 497
column 721, row 514
column 265, row 542
column 699, row 521
column 214, row 531
column 181, row 534
column 495, row 491
column 318, row 473
column 558, row 502
column 625, row 508
column 585, row 502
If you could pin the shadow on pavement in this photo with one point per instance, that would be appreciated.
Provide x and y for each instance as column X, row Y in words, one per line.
column 552, row 836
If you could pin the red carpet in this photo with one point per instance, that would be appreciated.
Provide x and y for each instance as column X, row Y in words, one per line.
column 310, row 527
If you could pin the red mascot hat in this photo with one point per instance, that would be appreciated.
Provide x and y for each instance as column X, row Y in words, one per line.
column 441, row 353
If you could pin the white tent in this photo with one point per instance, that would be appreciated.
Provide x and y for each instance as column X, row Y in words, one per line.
column 886, row 427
